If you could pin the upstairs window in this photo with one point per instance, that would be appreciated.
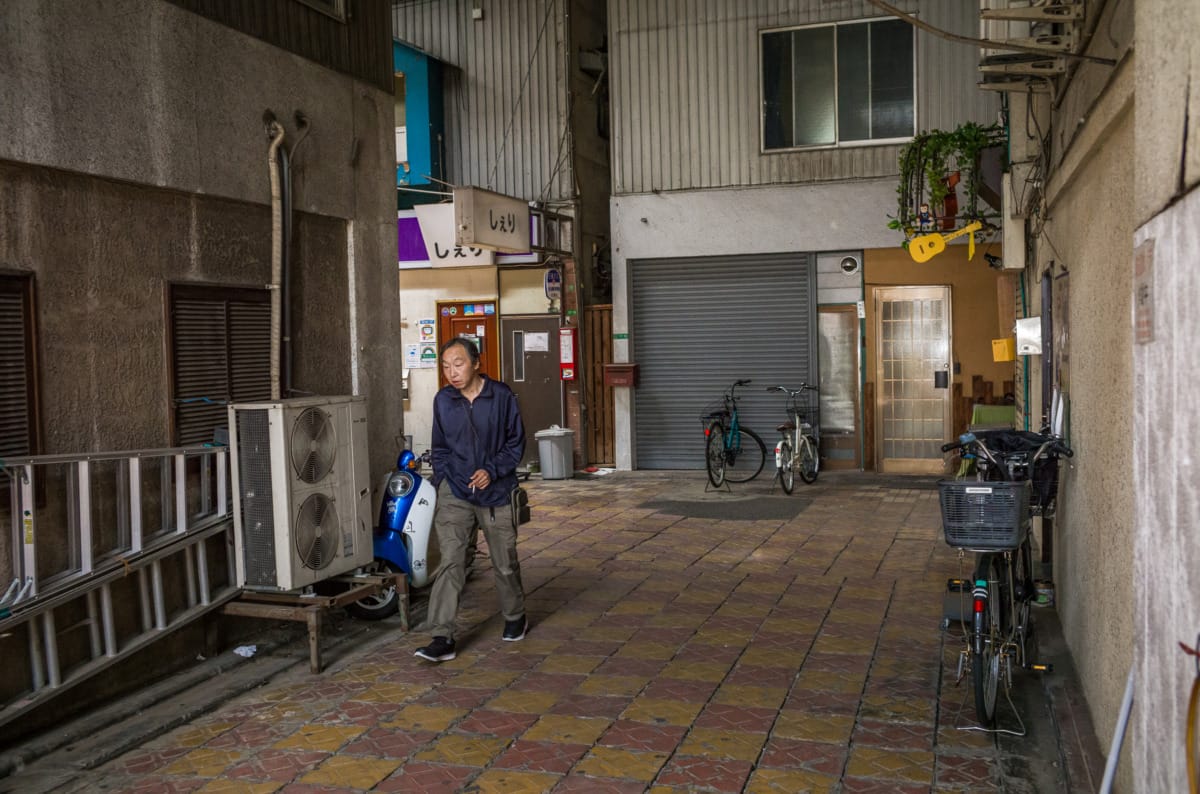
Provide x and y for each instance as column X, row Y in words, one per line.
column 18, row 376
column 843, row 84
column 221, row 353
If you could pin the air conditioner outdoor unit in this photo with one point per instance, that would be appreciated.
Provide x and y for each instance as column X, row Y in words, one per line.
column 301, row 490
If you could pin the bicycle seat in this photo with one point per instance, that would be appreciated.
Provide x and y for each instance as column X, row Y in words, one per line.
column 786, row 426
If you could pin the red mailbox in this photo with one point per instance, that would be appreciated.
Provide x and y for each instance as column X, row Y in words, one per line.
column 622, row 374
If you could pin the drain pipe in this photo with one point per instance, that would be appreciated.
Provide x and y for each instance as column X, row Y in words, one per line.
column 285, row 163
column 275, row 130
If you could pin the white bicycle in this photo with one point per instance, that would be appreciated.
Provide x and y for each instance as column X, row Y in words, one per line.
column 798, row 450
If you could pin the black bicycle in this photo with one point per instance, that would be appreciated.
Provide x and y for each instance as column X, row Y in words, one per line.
column 731, row 452
column 1009, row 475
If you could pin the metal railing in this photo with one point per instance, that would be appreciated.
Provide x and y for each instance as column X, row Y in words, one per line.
column 107, row 552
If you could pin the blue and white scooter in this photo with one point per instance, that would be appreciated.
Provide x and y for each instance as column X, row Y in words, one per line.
column 402, row 534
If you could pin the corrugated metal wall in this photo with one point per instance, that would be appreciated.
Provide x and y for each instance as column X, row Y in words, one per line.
column 685, row 91
column 506, row 95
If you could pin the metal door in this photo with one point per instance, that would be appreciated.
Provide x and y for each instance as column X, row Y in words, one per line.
column 912, row 326
column 530, row 367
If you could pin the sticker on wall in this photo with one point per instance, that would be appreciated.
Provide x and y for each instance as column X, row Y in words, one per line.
column 427, row 330
column 489, row 308
column 428, row 356
column 453, row 310
column 445, row 311
column 412, row 356
column 479, row 330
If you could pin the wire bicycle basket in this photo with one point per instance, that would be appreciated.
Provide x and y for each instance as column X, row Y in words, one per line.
column 984, row 515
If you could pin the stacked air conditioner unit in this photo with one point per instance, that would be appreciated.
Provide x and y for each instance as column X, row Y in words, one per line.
column 301, row 490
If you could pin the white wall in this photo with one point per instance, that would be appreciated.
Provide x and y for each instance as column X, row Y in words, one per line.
column 821, row 217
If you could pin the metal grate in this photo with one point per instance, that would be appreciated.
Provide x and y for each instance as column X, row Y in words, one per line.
column 257, row 502
column 984, row 515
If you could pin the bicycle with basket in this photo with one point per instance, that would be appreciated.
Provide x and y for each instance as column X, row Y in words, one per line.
column 988, row 512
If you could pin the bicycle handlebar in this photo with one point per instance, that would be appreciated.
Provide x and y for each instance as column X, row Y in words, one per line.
column 792, row 392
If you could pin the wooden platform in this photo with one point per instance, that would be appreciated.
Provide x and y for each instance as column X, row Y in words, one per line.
column 310, row 609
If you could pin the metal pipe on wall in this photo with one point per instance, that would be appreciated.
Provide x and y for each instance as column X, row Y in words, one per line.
column 275, row 130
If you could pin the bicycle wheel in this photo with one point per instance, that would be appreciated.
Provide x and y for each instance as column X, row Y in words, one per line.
column 746, row 458
column 985, row 650
column 714, row 453
column 808, row 460
column 787, row 465
column 1026, row 591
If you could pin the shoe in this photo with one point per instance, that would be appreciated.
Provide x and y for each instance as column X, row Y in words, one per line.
column 440, row 650
column 514, row 630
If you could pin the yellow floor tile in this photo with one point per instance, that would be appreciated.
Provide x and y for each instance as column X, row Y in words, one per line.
column 392, row 692
column 508, row 781
column 419, row 717
column 789, row 781
column 226, row 786
column 612, row 685
column 832, row 728
column 732, row 745
column 661, row 712
column 610, row 633
column 567, row 729
column 614, row 762
column 751, row 696
column 464, row 749
column 484, row 679
column 567, row 663
column 899, row 709
column 318, row 736
column 351, row 772
column 913, row 765
column 532, row 646
column 523, row 702
column 204, row 762
column 695, row 671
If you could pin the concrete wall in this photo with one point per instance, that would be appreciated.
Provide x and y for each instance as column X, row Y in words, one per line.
column 163, row 110
column 1084, row 227
column 1166, row 369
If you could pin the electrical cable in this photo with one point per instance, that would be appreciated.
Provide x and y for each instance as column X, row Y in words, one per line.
column 992, row 45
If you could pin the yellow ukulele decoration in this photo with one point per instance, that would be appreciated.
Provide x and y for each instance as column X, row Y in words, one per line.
column 927, row 246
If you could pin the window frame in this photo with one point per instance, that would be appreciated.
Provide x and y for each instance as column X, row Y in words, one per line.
column 187, row 290
column 23, row 283
column 838, row 143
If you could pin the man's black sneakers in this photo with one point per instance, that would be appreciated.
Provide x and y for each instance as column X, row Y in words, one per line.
column 440, row 650
column 514, row 630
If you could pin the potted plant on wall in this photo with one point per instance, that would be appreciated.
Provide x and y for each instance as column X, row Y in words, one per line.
column 932, row 165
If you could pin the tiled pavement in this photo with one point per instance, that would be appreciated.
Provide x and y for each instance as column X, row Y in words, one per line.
column 680, row 641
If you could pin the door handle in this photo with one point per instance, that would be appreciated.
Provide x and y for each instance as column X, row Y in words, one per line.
column 941, row 377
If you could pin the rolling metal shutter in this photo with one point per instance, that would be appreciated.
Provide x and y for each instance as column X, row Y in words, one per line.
column 699, row 324
column 222, row 353
column 16, row 375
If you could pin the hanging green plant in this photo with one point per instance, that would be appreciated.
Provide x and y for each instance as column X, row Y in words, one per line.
column 930, row 166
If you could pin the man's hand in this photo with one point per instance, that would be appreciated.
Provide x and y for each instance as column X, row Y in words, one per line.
column 479, row 480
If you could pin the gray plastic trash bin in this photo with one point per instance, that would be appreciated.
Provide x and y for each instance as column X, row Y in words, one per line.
column 555, row 452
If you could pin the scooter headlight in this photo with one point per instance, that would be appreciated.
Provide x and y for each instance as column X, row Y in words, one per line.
column 399, row 484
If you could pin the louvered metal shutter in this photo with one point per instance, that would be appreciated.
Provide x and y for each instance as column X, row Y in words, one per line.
column 221, row 354
column 699, row 324
column 15, row 410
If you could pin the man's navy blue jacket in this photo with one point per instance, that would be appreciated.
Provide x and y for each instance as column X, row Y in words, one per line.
column 487, row 434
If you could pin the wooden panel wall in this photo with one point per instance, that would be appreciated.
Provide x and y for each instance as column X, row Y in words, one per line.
column 597, row 351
